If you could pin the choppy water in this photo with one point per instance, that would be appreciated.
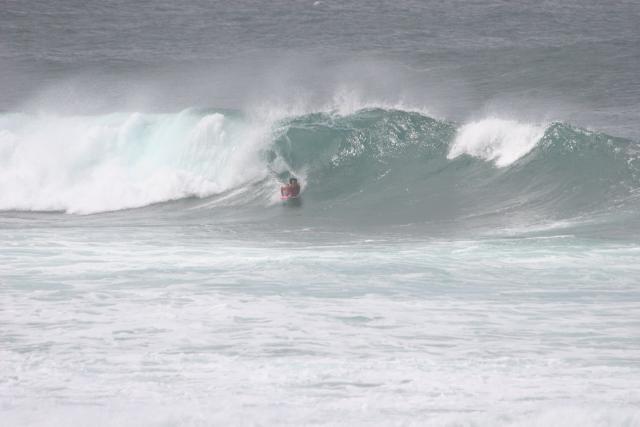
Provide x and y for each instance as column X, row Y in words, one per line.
column 465, row 252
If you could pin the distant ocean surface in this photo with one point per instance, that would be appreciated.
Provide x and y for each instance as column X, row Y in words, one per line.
column 465, row 252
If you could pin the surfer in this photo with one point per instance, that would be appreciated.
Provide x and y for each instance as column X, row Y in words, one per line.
column 292, row 189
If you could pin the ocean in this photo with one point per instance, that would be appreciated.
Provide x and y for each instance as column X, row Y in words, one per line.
column 465, row 250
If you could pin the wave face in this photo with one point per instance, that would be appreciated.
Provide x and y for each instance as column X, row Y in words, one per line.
column 384, row 164
column 379, row 165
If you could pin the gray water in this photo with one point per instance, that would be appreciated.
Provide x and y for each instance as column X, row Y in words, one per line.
column 465, row 251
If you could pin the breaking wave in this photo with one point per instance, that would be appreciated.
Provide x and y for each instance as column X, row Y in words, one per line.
column 388, row 164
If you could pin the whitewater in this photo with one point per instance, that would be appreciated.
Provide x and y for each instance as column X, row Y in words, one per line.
column 465, row 250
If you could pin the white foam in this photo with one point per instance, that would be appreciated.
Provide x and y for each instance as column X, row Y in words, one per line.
column 101, row 163
column 152, row 327
column 497, row 140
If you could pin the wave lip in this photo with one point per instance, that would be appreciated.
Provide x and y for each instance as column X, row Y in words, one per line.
column 498, row 140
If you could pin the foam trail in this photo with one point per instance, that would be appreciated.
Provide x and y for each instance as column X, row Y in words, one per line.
column 498, row 140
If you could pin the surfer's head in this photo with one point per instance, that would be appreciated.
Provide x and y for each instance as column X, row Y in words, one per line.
column 292, row 180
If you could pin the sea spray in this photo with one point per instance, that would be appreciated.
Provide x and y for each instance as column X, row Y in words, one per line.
column 498, row 140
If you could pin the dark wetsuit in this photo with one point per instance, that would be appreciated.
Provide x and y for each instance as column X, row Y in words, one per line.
column 294, row 189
